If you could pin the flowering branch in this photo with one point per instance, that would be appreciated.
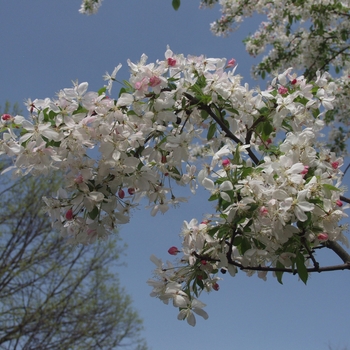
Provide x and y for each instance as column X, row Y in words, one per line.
column 222, row 125
column 271, row 215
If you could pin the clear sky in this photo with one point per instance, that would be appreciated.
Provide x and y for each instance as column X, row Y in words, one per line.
column 45, row 44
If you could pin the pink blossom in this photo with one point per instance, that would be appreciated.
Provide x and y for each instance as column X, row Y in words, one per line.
column 141, row 85
column 6, row 117
column 305, row 171
column 69, row 214
column 79, row 179
column 173, row 250
column 282, row 90
column 335, row 165
column 171, row 62
column 263, row 211
column 131, row 190
column 225, row 162
column 339, row 203
column 322, row 236
column 216, row 286
column 231, row 63
column 154, row 81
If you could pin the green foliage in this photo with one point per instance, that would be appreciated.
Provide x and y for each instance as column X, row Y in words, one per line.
column 176, row 4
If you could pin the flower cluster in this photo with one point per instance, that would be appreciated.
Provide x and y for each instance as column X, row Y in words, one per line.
column 276, row 199
column 307, row 35
column 90, row 7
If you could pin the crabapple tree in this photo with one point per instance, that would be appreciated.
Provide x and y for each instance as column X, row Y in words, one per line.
column 309, row 35
column 189, row 121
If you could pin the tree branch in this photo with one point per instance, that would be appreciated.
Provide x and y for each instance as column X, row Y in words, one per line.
column 340, row 251
column 229, row 134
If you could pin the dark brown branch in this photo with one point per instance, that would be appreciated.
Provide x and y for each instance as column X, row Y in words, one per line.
column 346, row 169
column 311, row 256
column 345, row 266
column 340, row 251
column 229, row 134
column 345, row 199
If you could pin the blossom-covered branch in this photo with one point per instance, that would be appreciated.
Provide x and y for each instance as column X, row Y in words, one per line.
column 277, row 189
column 308, row 35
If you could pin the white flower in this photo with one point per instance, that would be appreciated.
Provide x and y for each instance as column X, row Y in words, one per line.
column 195, row 306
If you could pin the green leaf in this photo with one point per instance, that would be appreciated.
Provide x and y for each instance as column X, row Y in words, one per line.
column 101, row 91
column 200, row 283
column 214, row 197
column 176, row 4
column 122, row 91
column 279, row 274
column 245, row 245
column 131, row 112
column 267, row 128
column 93, row 213
column 53, row 143
column 194, row 288
column 211, row 131
column 201, row 81
column 330, row 187
column 246, row 171
column 172, row 86
column 232, row 110
column 204, row 114
column 301, row 268
column 237, row 156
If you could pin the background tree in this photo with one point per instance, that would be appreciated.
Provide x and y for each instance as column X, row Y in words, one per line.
column 54, row 296
column 11, row 109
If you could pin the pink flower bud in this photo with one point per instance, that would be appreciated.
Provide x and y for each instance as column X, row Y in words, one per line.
column 203, row 262
column 171, row 62
column 305, row 170
column 79, row 179
column 121, row 194
column 141, row 85
column 231, row 63
column 173, row 250
column 216, row 286
column 294, row 81
column 131, row 191
column 282, row 90
column 339, row 203
column 263, row 211
column 154, row 81
column 225, row 162
column 6, row 117
column 335, row 165
column 322, row 236
column 69, row 214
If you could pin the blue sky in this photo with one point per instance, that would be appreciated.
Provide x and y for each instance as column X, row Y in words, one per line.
column 47, row 44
